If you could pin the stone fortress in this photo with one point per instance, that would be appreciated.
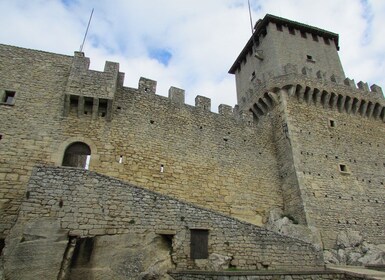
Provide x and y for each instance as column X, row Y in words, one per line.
column 103, row 181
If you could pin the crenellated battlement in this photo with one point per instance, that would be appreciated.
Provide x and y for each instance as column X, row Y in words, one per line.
column 85, row 82
column 92, row 93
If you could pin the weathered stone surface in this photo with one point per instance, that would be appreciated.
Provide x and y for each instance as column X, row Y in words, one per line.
column 282, row 224
column 347, row 239
column 218, row 262
column 330, row 257
column 351, row 249
column 130, row 256
column 34, row 250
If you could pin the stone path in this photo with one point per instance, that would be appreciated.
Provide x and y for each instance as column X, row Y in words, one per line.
column 359, row 270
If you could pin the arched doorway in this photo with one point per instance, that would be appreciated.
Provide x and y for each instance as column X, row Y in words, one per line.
column 77, row 154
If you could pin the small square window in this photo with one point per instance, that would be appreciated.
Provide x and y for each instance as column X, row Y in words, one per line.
column 303, row 34
column 291, row 31
column 9, row 97
column 310, row 58
column 343, row 168
column 315, row 37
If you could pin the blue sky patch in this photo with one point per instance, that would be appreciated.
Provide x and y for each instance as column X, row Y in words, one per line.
column 367, row 14
column 161, row 55
column 68, row 3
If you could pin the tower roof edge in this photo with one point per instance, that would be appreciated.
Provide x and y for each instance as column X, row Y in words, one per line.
column 261, row 24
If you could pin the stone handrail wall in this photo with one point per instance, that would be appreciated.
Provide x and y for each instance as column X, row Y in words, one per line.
column 89, row 204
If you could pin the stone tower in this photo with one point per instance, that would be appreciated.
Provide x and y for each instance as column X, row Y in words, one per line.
column 278, row 44
column 290, row 77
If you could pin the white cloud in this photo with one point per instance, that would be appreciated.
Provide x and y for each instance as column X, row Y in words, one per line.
column 204, row 37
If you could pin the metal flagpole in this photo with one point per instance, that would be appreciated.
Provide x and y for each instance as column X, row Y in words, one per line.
column 85, row 35
column 251, row 19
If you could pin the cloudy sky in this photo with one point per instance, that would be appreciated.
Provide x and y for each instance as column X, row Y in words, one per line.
column 189, row 44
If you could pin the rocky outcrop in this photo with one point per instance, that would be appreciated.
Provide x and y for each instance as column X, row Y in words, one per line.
column 285, row 225
column 39, row 250
column 352, row 249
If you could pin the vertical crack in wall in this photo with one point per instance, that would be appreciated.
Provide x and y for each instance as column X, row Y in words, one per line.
column 67, row 259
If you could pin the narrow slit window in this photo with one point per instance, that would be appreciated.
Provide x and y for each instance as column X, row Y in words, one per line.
column 74, row 100
column 2, row 245
column 102, row 107
column 88, row 104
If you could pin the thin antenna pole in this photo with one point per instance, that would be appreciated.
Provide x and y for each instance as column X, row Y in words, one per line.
column 252, row 27
column 88, row 26
column 251, row 19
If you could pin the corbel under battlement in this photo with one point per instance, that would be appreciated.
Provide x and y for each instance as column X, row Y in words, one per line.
column 325, row 77
column 328, row 99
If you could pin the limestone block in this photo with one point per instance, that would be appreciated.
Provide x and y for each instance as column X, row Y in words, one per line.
column 203, row 103
column 130, row 256
column 348, row 239
column 363, row 86
column 330, row 257
column 176, row 95
column 225, row 110
column 218, row 262
column 375, row 254
column 34, row 249
column 147, row 85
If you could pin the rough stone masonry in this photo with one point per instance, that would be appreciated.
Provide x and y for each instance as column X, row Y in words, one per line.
column 86, row 162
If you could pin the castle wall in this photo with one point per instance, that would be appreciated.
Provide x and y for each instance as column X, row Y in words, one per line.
column 340, row 162
column 88, row 204
column 214, row 160
column 28, row 127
